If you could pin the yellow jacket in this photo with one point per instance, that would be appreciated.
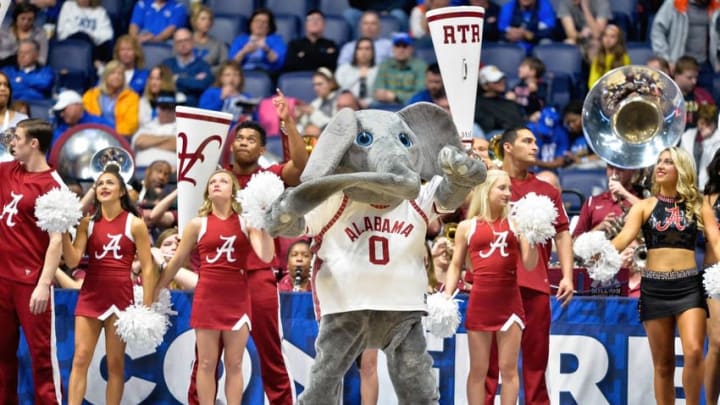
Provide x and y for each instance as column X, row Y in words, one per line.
column 127, row 109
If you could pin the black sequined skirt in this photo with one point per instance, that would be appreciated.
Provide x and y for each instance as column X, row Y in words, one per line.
column 664, row 294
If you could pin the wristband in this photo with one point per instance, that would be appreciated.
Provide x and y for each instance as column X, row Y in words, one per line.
column 163, row 265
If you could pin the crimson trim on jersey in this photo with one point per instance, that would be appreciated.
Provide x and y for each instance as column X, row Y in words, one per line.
column 201, row 117
column 417, row 208
column 457, row 14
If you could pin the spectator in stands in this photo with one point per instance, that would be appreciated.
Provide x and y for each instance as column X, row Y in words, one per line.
column 530, row 91
column 401, row 76
column 583, row 22
column 526, row 22
column 551, row 139
column 165, row 213
column 156, row 139
column 369, row 28
column 683, row 28
column 319, row 112
column 581, row 153
column 397, row 9
column 155, row 188
column 157, row 20
column 611, row 54
column 297, row 277
column 164, row 249
column 192, row 74
column 9, row 116
column 227, row 91
column 129, row 52
column 686, row 76
column 434, row 89
column 69, row 112
column 21, row 28
column 418, row 22
column 262, row 48
column 114, row 101
column 345, row 99
column 30, row 80
column 359, row 75
column 313, row 50
column 87, row 20
column 493, row 111
column 213, row 50
column 702, row 142
column 659, row 63
column 605, row 211
column 160, row 80
column 491, row 33
column 551, row 177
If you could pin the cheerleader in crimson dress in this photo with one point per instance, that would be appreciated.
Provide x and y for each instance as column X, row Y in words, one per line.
column 495, row 307
column 111, row 238
column 221, row 302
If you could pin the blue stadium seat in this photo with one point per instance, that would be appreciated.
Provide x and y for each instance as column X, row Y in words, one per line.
column 72, row 62
column 298, row 85
column 333, row 7
column 573, row 201
column 639, row 52
column 426, row 54
column 560, row 89
column 155, row 53
column 560, row 58
column 337, row 29
column 226, row 27
column 40, row 108
column 388, row 26
column 257, row 84
column 232, row 7
column 589, row 182
column 624, row 13
column 288, row 27
column 624, row 22
column 716, row 86
column 505, row 56
column 297, row 8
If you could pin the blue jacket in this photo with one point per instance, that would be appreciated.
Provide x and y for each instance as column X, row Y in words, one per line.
column 34, row 85
column 86, row 118
column 258, row 59
column 138, row 80
column 187, row 81
column 540, row 20
column 155, row 21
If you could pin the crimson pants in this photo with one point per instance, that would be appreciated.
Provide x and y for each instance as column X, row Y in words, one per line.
column 40, row 335
column 535, row 349
column 266, row 336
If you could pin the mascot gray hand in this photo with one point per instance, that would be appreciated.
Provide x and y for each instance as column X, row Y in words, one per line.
column 460, row 169
column 282, row 219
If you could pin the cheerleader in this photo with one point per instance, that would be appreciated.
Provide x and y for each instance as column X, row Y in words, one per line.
column 221, row 303
column 495, row 307
column 111, row 238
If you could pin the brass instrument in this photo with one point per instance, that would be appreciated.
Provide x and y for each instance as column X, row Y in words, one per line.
column 5, row 138
column 495, row 150
column 449, row 230
column 631, row 114
column 112, row 156
column 310, row 141
column 640, row 257
column 298, row 279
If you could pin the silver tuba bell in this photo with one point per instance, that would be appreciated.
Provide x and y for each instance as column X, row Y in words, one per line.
column 631, row 114
column 114, row 156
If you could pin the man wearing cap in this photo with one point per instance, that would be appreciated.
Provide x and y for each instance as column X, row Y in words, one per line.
column 401, row 76
column 493, row 112
column 156, row 140
column 69, row 112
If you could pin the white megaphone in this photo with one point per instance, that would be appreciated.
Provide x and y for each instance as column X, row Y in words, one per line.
column 4, row 6
column 201, row 136
column 457, row 38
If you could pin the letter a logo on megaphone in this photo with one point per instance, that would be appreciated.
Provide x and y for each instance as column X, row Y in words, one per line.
column 457, row 38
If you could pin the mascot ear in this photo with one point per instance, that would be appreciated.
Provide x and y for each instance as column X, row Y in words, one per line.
column 331, row 146
column 434, row 129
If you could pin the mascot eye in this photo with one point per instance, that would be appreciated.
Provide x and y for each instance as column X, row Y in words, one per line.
column 405, row 139
column 364, row 138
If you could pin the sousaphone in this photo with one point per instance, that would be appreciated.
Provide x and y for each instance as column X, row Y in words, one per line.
column 631, row 114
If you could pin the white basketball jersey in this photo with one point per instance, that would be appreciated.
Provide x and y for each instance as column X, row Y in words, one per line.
column 371, row 257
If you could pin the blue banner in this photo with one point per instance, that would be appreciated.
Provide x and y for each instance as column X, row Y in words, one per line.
column 599, row 355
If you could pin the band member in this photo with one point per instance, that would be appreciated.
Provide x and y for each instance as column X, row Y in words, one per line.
column 495, row 307
column 519, row 155
column 221, row 303
column 111, row 238
column 247, row 148
column 30, row 257
column 671, row 293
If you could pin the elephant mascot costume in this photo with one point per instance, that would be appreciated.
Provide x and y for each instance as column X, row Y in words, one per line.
column 374, row 181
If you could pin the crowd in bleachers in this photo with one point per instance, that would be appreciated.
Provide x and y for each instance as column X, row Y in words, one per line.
column 126, row 64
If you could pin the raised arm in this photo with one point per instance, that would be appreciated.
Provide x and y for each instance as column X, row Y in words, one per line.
column 460, row 174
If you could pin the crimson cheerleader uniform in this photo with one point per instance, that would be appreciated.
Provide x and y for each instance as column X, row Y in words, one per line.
column 108, row 288
column 221, row 300
column 495, row 302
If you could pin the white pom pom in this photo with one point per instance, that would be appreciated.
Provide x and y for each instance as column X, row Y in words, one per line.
column 443, row 316
column 598, row 255
column 257, row 197
column 58, row 210
column 534, row 216
column 711, row 281
column 141, row 327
